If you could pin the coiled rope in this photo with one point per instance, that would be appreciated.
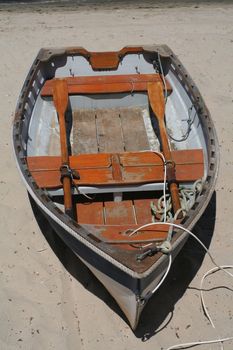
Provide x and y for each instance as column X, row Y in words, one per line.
column 163, row 210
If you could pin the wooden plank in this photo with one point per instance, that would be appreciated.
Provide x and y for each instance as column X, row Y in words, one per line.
column 103, row 160
column 131, row 176
column 104, row 60
column 84, row 132
column 102, row 89
column 106, row 84
column 81, row 161
column 90, row 213
column 185, row 156
column 142, row 174
column 109, row 135
column 116, row 168
column 143, row 210
column 131, row 159
column 133, row 129
column 119, row 233
column 117, row 213
column 51, row 179
column 139, row 168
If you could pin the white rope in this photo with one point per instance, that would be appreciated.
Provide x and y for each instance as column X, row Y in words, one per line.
column 216, row 268
column 164, row 190
column 164, row 276
column 164, row 181
column 187, row 200
column 213, row 270
column 185, row 345
column 219, row 340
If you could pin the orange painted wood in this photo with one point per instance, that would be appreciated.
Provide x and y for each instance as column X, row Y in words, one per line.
column 96, row 169
column 81, row 161
column 143, row 210
column 109, row 79
column 110, row 59
column 105, row 84
column 90, row 213
column 51, row 179
column 104, row 60
column 191, row 156
column 60, row 100
column 157, row 103
column 116, row 168
column 119, row 233
column 117, row 213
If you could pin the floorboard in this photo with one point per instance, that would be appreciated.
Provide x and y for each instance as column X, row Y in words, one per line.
column 133, row 129
column 109, row 131
column 84, row 132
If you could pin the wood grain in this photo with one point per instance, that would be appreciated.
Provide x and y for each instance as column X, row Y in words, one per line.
column 84, row 132
column 136, row 168
column 133, row 129
column 105, row 84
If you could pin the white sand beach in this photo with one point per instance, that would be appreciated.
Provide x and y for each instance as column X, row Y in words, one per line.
column 48, row 299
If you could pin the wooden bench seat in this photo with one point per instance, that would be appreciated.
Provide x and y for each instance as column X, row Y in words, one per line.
column 128, row 168
column 106, row 84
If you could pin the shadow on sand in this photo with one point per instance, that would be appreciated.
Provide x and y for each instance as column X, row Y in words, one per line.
column 183, row 270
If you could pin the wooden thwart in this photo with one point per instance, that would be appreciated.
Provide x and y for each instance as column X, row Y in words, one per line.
column 132, row 168
column 106, row 84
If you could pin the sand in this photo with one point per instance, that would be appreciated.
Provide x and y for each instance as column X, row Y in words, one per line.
column 48, row 299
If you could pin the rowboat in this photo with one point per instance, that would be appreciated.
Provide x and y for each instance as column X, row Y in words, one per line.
column 119, row 152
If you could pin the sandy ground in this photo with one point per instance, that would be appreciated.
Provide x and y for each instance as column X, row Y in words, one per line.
column 51, row 301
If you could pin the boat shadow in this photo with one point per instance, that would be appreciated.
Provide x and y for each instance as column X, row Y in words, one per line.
column 183, row 270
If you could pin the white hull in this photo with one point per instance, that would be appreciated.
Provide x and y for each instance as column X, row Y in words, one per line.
column 35, row 133
column 130, row 303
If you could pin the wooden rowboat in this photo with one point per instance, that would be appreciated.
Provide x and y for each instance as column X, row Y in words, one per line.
column 101, row 139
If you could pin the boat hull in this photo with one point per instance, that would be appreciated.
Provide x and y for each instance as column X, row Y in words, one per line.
column 129, row 288
column 130, row 292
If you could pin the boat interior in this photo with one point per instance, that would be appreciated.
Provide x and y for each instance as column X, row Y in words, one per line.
column 114, row 145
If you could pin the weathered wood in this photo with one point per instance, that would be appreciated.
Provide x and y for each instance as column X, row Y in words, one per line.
column 109, row 136
column 142, row 209
column 117, row 233
column 117, row 213
column 106, row 84
column 84, row 132
column 94, row 212
column 136, row 168
column 116, row 167
column 112, row 130
column 90, row 213
column 133, row 129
